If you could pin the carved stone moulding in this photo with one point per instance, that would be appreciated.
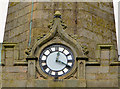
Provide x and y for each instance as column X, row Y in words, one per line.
column 57, row 35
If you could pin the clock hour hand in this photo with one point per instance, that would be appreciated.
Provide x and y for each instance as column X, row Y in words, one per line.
column 58, row 54
column 62, row 63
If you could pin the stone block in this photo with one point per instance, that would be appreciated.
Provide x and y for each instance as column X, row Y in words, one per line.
column 102, row 83
column 23, row 45
column 11, row 17
column 18, row 26
column 12, row 33
column 90, row 76
column 30, row 83
column 113, row 76
column 38, row 5
column 41, row 83
column 9, row 61
column 31, row 69
column 68, row 14
column 109, row 4
column 18, row 30
column 24, row 4
column 24, row 11
column 18, row 6
column 44, row 5
column 118, row 69
column 107, row 33
column 23, row 19
column 14, row 83
column 14, row 69
column 45, row 23
column 70, row 31
column 84, row 23
column 48, row 5
column 9, row 53
column 14, row 76
column 98, row 12
column 23, row 36
column 105, row 54
column 104, row 62
column 81, row 6
column 106, row 8
column 91, row 53
column 75, row 83
column 84, row 15
column 9, row 25
column 36, row 23
column 113, row 35
column 56, row 83
column 13, row 8
column 102, row 76
column 106, row 40
column 98, row 21
column 90, row 35
column 114, row 69
column 103, row 69
column 107, row 76
column 38, row 32
column 22, row 54
column 70, row 23
column 6, row 36
column 69, row 5
column 95, row 4
column 92, row 69
column 20, row 37
column 58, row 6
column 41, row 14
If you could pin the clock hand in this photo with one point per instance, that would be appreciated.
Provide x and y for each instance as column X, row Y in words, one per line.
column 62, row 63
column 58, row 54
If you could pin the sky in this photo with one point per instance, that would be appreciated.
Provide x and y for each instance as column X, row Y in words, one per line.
column 3, row 15
column 116, row 11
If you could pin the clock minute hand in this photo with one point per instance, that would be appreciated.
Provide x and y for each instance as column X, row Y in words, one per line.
column 62, row 63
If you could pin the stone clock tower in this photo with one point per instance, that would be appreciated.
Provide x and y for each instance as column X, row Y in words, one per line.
column 57, row 57
column 76, row 49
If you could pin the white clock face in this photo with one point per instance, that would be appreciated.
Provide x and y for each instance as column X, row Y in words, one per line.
column 56, row 60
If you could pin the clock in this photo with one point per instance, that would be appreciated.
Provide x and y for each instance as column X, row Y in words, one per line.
column 56, row 60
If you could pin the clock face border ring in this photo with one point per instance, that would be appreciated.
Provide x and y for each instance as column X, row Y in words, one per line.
column 48, row 59
column 60, row 77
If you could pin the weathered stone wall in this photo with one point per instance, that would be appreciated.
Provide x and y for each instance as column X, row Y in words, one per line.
column 91, row 23
column 88, row 23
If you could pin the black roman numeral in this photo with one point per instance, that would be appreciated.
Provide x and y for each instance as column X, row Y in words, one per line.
column 50, row 71
column 44, row 67
column 50, row 50
column 56, row 48
column 56, row 73
column 68, row 54
column 69, row 60
column 43, row 61
column 68, row 67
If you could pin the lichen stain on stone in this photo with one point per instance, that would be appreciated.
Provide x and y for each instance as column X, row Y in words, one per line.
column 13, row 4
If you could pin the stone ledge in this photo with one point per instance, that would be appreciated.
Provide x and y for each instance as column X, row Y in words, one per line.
column 14, row 83
column 2, row 64
column 102, row 83
column 117, row 63
column 20, row 63
column 9, row 44
column 92, row 64
column 82, row 58
column 63, row 83
column 43, row 83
